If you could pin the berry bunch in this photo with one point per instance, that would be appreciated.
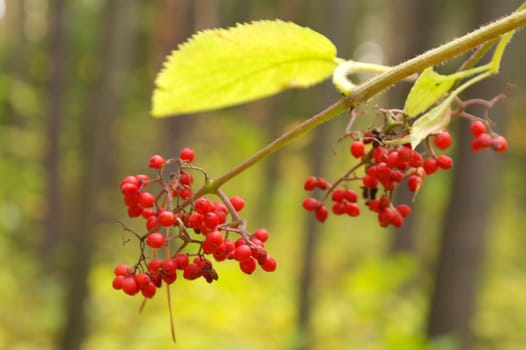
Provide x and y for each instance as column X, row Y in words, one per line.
column 482, row 139
column 387, row 164
column 186, row 227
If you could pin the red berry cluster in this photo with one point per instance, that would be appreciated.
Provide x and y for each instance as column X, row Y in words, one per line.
column 387, row 164
column 483, row 139
column 177, row 219
column 386, row 167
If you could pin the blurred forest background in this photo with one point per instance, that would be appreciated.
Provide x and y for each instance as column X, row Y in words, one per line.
column 75, row 88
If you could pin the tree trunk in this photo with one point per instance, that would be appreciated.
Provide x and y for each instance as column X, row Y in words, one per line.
column 463, row 241
column 16, row 49
column 103, row 107
column 52, row 225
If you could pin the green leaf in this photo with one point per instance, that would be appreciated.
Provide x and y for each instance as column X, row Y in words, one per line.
column 434, row 121
column 427, row 90
column 223, row 67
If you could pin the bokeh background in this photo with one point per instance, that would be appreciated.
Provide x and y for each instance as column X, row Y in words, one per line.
column 75, row 86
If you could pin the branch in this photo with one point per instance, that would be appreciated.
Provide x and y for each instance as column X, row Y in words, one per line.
column 440, row 54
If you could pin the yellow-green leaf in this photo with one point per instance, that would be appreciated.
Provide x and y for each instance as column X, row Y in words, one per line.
column 430, row 123
column 427, row 90
column 223, row 67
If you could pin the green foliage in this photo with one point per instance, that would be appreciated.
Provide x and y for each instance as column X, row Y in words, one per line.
column 428, row 88
column 431, row 87
column 223, row 67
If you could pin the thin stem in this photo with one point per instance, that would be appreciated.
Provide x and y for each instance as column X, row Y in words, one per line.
column 364, row 92
column 320, row 118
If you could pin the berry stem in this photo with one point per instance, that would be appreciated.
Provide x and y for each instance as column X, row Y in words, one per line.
column 169, row 297
column 327, row 114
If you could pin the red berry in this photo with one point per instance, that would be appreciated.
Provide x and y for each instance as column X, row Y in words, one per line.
column 248, row 265
column 152, row 222
column 393, row 159
column 351, row 196
column 166, row 218
column 499, row 144
column 442, row 140
column 372, row 171
column 383, row 170
column 374, row 205
column 195, row 220
column 202, row 205
column 154, row 266
column 261, row 234
column 396, row 176
column 385, row 216
column 142, row 279
column 369, row 181
column 219, row 207
column 480, row 142
column 156, row 162
column 416, row 160
column 214, row 237
column 237, row 202
column 129, row 286
column 310, row 183
column 338, row 195
column 339, row 208
column 147, row 212
column 384, row 202
column 129, row 189
column 380, row 154
column 130, row 180
column 414, row 182
column 444, row 162
column 156, row 279
column 404, row 153
column 357, row 149
column 185, row 178
column 321, row 213
column 240, row 241
column 260, row 254
column 192, row 271
column 404, row 210
column 322, row 183
column 185, row 192
column 211, row 220
column 168, row 267
column 123, row 270
column 148, row 291
column 269, row 265
column 181, row 260
column 146, row 199
column 353, row 209
column 187, row 154
column 155, row 240
column 430, row 166
column 311, row 204
column 169, row 279
column 135, row 211
column 117, row 282
column 477, row 128
column 142, row 179
column 242, row 252
column 397, row 220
